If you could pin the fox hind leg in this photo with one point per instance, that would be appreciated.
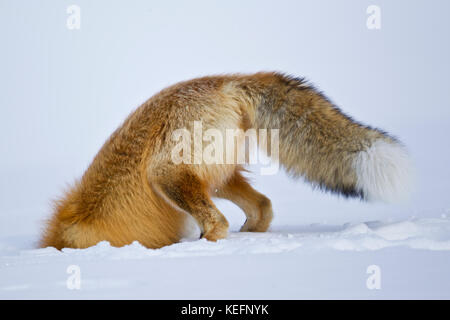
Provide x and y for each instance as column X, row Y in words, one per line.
column 188, row 192
column 256, row 206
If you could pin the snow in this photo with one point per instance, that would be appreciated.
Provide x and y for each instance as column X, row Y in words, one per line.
column 65, row 91
column 110, row 270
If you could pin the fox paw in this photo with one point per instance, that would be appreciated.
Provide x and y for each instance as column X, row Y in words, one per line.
column 216, row 233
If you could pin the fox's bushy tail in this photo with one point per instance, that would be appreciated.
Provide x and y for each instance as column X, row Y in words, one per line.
column 328, row 148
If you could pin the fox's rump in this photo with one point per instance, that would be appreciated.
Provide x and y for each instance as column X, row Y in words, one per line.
column 113, row 200
column 133, row 215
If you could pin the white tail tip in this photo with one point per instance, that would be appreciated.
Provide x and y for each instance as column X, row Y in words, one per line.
column 384, row 172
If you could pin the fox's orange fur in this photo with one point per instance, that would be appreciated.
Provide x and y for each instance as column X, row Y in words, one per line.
column 133, row 190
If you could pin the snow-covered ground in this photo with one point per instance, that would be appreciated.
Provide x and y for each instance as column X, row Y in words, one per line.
column 316, row 261
column 64, row 91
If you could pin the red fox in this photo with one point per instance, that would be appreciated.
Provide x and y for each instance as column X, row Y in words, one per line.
column 133, row 190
